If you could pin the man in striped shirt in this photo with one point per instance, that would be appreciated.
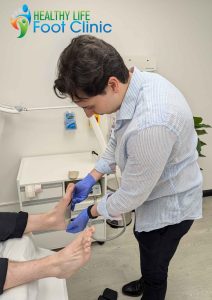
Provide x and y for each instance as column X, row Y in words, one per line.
column 154, row 145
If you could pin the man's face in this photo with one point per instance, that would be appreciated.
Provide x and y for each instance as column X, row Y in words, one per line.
column 106, row 103
column 99, row 104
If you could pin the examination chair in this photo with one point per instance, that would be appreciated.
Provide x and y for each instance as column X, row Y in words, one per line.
column 44, row 289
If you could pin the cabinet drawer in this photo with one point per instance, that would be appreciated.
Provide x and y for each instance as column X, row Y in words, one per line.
column 48, row 191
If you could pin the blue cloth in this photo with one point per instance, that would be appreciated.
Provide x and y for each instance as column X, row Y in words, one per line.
column 154, row 144
column 79, row 223
column 82, row 190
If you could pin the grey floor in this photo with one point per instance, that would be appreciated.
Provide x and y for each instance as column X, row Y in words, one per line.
column 117, row 262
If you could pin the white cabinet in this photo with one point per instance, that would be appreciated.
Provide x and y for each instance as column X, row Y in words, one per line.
column 42, row 181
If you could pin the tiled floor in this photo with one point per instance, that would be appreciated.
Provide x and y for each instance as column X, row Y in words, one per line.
column 117, row 262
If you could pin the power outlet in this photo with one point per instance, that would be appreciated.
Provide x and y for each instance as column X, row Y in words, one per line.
column 144, row 63
column 150, row 64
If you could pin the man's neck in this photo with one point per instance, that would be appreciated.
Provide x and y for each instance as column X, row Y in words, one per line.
column 125, row 87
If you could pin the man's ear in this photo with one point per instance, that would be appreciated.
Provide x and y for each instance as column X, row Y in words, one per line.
column 114, row 84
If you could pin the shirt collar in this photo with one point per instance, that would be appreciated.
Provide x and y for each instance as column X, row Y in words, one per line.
column 128, row 105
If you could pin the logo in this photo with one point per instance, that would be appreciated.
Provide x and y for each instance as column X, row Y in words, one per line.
column 57, row 21
column 21, row 20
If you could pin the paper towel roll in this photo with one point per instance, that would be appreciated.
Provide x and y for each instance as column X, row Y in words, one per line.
column 38, row 188
column 98, row 133
column 30, row 191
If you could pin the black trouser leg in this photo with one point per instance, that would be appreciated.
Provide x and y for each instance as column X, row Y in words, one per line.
column 157, row 248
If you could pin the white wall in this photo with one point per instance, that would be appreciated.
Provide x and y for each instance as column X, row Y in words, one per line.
column 177, row 33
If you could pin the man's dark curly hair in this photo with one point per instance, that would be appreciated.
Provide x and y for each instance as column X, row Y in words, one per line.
column 85, row 66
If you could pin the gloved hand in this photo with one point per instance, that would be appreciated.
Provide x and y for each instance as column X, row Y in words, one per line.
column 82, row 190
column 79, row 223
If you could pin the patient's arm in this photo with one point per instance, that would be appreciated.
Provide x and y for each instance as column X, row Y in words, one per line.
column 53, row 220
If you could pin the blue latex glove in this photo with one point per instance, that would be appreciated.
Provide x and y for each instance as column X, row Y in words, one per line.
column 79, row 223
column 82, row 190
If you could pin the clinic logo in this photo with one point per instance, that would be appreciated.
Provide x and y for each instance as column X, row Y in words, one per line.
column 57, row 21
column 21, row 20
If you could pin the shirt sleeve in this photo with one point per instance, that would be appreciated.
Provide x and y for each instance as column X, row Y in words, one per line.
column 148, row 152
column 12, row 225
column 106, row 164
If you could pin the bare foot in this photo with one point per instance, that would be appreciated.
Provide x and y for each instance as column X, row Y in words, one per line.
column 56, row 217
column 75, row 255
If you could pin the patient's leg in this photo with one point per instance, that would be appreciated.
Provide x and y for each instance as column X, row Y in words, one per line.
column 61, row 264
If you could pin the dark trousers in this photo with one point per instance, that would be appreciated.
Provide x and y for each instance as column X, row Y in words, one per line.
column 157, row 248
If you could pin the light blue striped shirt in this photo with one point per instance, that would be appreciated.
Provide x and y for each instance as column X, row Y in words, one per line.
column 154, row 144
